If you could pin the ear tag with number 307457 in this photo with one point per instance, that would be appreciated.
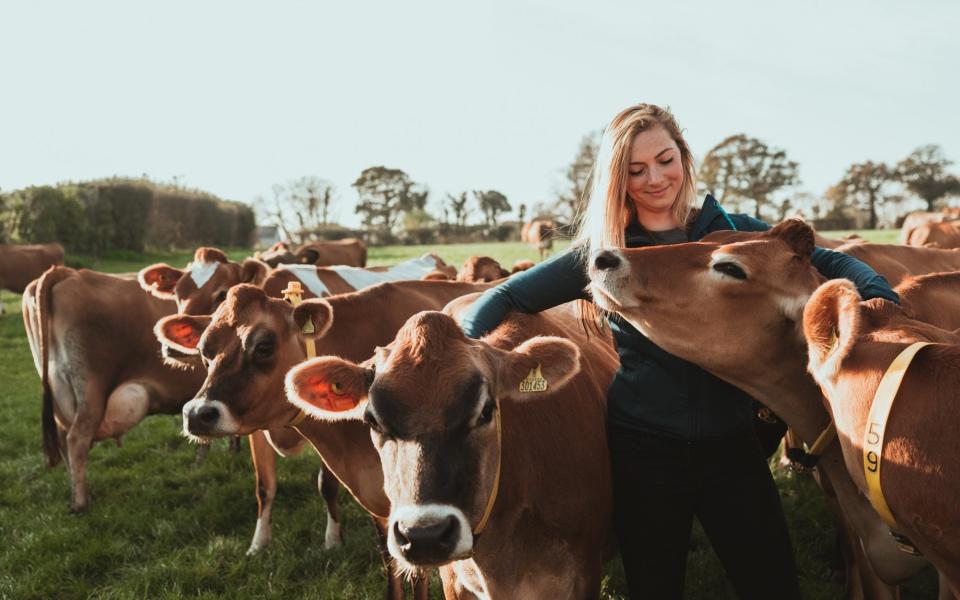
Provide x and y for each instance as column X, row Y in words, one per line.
column 534, row 382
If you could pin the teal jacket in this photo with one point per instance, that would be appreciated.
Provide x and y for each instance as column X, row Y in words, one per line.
column 654, row 391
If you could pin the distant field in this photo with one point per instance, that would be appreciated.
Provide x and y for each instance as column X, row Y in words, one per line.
column 161, row 526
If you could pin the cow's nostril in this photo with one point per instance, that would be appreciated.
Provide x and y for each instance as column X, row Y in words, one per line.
column 398, row 533
column 606, row 260
column 207, row 414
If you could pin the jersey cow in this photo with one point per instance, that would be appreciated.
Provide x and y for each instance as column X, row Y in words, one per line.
column 539, row 234
column 851, row 345
column 350, row 252
column 91, row 336
column 936, row 235
column 202, row 287
column 19, row 265
column 475, row 443
column 252, row 341
column 279, row 253
column 896, row 263
column 755, row 290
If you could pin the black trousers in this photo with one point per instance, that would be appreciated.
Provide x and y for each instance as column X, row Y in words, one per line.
column 660, row 484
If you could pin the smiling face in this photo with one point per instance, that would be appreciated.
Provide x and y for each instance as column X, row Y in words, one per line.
column 655, row 173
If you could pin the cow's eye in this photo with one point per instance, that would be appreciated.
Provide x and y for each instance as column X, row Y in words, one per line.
column 486, row 413
column 732, row 269
column 220, row 297
column 264, row 350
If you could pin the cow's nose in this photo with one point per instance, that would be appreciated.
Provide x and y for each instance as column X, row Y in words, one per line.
column 606, row 260
column 428, row 543
column 202, row 418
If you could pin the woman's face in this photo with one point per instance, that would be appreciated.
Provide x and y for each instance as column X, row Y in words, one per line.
column 655, row 174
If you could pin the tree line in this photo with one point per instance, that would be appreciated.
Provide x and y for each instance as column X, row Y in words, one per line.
column 123, row 214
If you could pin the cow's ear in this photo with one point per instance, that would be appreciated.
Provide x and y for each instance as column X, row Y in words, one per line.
column 539, row 365
column 315, row 315
column 329, row 388
column 831, row 324
column 254, row 271
column 796, row 234
column 308, row 257
column 182, row 332
column 160, row 280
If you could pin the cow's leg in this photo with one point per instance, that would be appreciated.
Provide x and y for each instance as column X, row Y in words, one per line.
column 203, row 449
column 395, row 589
column 420, row 583
column 330, row 490
column 265, row 471
column 235, row 444
column 90, row 409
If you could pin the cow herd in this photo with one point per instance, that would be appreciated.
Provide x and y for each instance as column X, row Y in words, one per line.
column 487, row 458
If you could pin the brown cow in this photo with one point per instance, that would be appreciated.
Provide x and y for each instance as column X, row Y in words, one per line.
column 944, row 235
column 279, row 253
column 481, row 268
column 244, row 388
column 539, row 233
column 851, row 345
column 91, row 336
column 755, row 291
column 350, row 252
column 918, row 218
column 211, row 274
column 475, row 442
column 896, row 262
column 522, row 265
column 19, row 265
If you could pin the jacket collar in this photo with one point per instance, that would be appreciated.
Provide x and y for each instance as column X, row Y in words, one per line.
column 711, row 217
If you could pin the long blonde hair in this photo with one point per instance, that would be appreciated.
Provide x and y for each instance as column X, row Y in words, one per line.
column 609, row 210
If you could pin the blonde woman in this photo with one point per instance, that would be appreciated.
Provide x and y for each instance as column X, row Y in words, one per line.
column 682, row 442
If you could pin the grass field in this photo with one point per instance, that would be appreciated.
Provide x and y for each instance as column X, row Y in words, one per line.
column 161, row 526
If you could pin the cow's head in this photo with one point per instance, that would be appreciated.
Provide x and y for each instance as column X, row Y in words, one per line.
column 246, row 346
column 481, row 269
column 713, row 303
column 851, row 342
column 203, row 285
column 279, row 253
column 432, row 399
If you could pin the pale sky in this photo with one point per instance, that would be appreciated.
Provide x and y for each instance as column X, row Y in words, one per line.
column 233, row 97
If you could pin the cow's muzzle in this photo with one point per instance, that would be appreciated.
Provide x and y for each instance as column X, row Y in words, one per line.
column 207, row 418
column 429, row 535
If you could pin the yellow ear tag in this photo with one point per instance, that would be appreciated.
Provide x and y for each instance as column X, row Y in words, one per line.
column 534, row 382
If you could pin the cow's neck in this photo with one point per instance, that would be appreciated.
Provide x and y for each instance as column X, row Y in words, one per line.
column 346, row 449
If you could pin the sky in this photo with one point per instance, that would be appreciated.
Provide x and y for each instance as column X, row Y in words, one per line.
column 234, row 97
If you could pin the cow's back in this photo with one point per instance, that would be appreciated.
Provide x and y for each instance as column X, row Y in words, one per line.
column 102, row 326
column 896, row 262
column 19, row 265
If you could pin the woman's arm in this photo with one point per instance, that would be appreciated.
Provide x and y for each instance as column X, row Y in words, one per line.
column 836, row 265
column 561, row 279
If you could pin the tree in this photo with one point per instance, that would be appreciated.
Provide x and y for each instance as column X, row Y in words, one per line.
column 742, row 168
column 492, row 203
column 522, row 213
column 310, row 199
column 458, row 206
column 576, row 186
column 924, row 174
column 862, row 186
column 386, row 194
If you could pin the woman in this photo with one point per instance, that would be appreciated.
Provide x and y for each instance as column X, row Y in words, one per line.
column 681, row 441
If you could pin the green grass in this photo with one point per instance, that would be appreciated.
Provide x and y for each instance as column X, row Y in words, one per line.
column 161, row 526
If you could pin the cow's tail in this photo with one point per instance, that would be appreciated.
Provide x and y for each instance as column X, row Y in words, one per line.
column 51, row 439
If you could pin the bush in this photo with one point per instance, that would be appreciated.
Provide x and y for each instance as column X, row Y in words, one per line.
column 123, row 214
